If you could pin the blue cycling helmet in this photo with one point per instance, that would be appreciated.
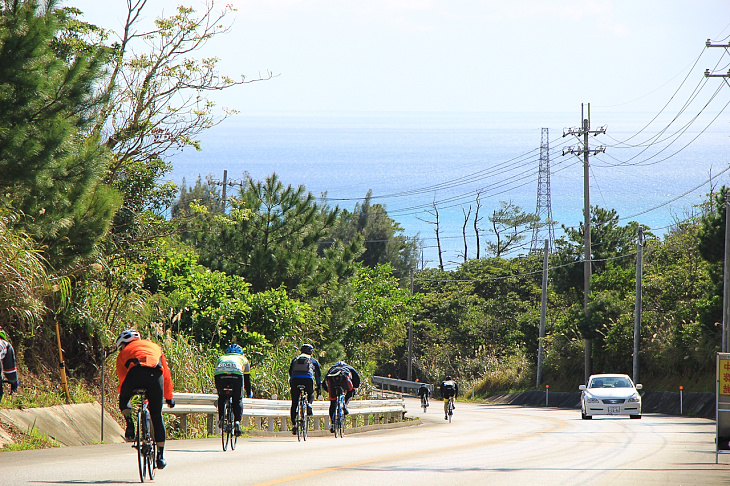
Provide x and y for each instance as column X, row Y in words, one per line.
column 234, row 349
column 341, row 363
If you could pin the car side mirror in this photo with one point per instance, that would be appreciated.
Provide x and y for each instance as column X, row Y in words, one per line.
column 582, row 387
column 639, row 386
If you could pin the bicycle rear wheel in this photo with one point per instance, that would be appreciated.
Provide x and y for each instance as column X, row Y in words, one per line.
column 451, row 410
column 300, row 419
column 232, row 437
column 225, row 425
column 340, row 423
column 139, row 445
column 304, row 420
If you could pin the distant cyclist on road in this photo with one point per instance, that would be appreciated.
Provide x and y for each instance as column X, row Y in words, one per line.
column 303, row 370
column 424, row 393
column 233, row 371
column 449, row 389
column 7, row 363
column 142, row 364
column 341, row 376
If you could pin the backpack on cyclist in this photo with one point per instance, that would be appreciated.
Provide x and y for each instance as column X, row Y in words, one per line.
column 302, row 365
column 448, row 389
column 340, row 378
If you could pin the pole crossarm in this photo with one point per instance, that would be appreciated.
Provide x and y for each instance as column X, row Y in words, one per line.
column 708, row 74
column 581, row 150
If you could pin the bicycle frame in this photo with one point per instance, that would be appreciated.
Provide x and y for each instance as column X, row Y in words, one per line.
column 339, row 418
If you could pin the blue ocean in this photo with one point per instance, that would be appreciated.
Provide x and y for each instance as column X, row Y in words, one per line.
column 653, row 171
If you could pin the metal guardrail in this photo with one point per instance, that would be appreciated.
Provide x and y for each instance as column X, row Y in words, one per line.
column 273, row 415
column 403, row 385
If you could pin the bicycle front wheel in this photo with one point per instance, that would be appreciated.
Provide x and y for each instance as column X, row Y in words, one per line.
column 341, row 426
column 151, row 454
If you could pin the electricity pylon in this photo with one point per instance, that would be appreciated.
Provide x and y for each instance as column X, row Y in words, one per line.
column 545, row 229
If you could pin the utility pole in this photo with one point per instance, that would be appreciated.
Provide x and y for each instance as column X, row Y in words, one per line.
column 225, row 183
column 726, row 280
column 543, row 312
column 637, row 303
column 726, row 264
column 586, row 151
column 410, row 335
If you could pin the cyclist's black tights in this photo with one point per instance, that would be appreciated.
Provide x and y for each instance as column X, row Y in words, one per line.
column 294, row 384
column 235, row 383
column 151, row 380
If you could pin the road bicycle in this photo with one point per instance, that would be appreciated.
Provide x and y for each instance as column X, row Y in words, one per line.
column 450, row 408
column 143, row 438
column 228, row 433
column 302, row 421
column 339, row 416
column 424, row 402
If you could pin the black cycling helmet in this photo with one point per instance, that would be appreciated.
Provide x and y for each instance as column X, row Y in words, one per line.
column 307, row 349
column 447, row 377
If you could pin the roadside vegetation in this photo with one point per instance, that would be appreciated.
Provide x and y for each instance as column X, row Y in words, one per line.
column 92, row 238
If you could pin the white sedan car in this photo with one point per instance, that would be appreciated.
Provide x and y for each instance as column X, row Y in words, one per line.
column 610, row 395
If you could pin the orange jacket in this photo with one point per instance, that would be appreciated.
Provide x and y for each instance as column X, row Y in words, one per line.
column 148, row 354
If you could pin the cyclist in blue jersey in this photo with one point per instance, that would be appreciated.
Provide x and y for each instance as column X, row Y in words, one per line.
column 233, row 371
column 303, row 370
column 340, row 377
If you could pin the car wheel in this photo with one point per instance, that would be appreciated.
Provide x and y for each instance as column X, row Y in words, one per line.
column 635, row 416
column 584, row 416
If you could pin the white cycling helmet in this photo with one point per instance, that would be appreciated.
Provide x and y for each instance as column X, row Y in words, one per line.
column 127, row 337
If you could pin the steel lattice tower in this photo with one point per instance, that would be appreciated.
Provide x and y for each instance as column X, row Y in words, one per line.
column 544, row 230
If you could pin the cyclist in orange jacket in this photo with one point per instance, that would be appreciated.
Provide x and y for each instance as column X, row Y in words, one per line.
column 142, row 364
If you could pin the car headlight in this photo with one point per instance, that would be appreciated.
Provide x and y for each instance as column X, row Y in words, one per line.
column 592, row 400
column 634, row 398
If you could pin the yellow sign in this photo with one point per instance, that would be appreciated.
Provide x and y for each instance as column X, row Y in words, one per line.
column 723, row 377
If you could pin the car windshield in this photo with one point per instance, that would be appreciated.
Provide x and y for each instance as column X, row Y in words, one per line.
column 610, row 382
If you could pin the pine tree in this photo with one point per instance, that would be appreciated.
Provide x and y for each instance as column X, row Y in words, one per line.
column 49, row 169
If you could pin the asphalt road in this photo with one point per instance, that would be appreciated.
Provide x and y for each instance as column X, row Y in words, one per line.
column 485, row 444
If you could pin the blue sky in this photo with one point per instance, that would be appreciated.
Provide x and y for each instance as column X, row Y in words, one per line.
column 456, row 55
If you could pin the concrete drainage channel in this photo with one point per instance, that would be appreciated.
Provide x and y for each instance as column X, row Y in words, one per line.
column 79, row 424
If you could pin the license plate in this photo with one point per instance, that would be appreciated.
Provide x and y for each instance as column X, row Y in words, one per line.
column 614, row 409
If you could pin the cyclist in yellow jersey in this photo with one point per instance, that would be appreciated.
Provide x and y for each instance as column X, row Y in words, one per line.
column 233, row 371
